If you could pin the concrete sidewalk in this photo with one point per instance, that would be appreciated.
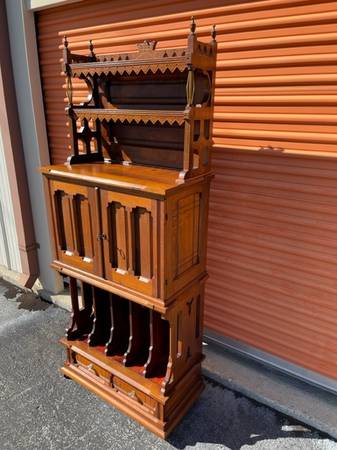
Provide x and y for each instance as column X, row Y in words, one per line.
column 39, row 409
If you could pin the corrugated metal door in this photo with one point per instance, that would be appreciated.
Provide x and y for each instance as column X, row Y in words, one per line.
column 272, row 245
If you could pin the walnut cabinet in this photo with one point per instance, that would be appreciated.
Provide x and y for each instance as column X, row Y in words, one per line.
column 152, row 244
column 128, row 220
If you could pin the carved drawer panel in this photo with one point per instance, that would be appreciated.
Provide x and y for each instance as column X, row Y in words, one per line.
column 125, row 391
column 92, row 369
column 136, row 396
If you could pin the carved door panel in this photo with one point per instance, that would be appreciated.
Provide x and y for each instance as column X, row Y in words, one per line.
column 130, row 248
column 74, row 214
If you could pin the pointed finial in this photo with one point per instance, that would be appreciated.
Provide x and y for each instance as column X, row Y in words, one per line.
column 65, row 42
column 193, row 25
column 91, row 48
column 213, row 33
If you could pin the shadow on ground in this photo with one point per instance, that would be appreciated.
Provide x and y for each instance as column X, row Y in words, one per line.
column 26, row 299
column 223, row 417
column 39, row 409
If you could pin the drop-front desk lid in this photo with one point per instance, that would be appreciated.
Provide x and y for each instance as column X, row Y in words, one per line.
column 147, row 179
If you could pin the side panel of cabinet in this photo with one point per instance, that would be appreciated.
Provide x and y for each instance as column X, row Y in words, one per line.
column 186, row 330
column 131, row 248
column 186, row 237
column 74, row 214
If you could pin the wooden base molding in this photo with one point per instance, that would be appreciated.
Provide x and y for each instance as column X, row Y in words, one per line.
column 157, row 412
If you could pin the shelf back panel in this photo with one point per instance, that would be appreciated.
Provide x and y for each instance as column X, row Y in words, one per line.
column 149, row 144
column 151, row 91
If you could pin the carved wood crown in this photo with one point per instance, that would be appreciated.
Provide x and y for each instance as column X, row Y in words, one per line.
column 146, row 59
column 146, row 45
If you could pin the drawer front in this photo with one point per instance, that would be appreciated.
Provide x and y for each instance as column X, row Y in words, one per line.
column 123, row 390
column 73, row 209
column 130, row 230
column 92, row 369
column 136, row 396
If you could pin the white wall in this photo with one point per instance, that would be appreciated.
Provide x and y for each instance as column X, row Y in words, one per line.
column 9, row 246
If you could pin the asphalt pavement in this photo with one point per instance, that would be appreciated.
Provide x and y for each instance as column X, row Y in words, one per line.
column 40, row 409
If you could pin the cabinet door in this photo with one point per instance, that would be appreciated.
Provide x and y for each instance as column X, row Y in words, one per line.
column 74, row 211
column 130, row 233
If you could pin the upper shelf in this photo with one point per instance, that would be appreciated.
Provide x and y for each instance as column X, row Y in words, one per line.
column 128, row 115
column 144, row 61
column 140, row 115
column 151, row 107
column 197, row 55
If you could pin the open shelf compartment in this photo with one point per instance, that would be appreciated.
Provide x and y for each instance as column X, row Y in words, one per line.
column 138, row 340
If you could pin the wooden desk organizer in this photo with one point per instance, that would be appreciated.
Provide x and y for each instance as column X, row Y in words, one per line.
column 128, row 217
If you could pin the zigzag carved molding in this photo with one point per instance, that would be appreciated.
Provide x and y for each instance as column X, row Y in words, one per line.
column 107, row 69
column 130, row 115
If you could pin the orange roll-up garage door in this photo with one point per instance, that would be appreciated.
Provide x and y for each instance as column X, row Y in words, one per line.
column 273, row 218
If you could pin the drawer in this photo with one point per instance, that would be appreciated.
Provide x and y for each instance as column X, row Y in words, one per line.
column 121, row 389
column 85, row 365
column 143, row 400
